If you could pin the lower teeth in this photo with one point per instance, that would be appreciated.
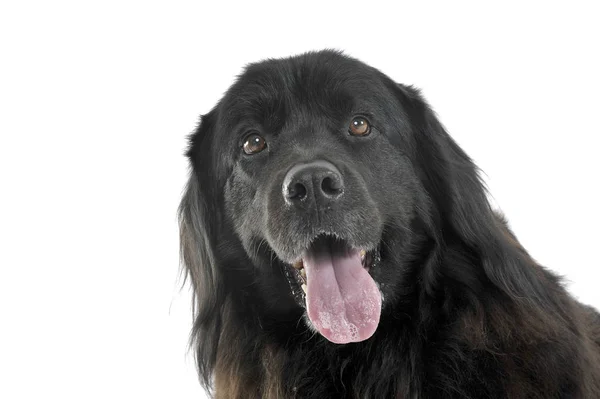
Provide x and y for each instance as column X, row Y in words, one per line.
column 363, row 255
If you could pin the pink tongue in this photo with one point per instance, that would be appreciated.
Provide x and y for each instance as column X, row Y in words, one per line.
column 343, row 301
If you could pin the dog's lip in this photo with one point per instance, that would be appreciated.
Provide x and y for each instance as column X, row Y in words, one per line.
column 366, row 258
column 323, row 234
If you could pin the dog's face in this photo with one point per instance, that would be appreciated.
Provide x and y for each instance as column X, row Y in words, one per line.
column 325, row 197
column 312, row 163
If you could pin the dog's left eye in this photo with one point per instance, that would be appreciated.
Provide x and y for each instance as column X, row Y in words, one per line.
column 254, row 143
column 359, row 126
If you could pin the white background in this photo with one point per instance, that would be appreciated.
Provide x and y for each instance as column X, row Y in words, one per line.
column 96, row 101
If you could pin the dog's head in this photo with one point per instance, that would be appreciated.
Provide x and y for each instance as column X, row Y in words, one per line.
column 318, row 183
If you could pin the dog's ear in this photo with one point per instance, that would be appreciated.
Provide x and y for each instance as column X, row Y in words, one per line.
column 198, row 221
column 463, row 211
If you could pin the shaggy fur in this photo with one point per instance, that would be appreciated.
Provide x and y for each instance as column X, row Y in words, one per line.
column 467, row 313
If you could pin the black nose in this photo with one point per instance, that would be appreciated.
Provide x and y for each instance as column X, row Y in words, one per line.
column 318, row 181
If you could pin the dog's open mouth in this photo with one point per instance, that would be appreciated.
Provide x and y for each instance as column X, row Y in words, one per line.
column 342, row 300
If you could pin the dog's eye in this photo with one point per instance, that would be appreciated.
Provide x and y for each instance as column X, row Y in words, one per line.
column 359, row 126
column 254, row 143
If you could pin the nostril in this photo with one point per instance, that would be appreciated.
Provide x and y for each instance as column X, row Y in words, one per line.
column 296, row 191
column 317, row 183
column 331, row 186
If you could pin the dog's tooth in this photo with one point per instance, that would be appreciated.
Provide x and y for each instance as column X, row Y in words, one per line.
column 303, row 273
column 304, row 288
column 298, row 265
column 363, row 253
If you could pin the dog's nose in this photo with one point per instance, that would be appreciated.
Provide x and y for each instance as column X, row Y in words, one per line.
column 318, row 181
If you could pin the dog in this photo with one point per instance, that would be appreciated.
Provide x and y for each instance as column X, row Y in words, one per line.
column 340, row 244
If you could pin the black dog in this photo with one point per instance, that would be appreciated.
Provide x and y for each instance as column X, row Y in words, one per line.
column 340, row 244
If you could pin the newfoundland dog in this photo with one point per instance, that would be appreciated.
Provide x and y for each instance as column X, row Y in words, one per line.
column 340, row 244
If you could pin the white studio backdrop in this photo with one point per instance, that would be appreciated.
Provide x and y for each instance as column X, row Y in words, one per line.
column 96, row 101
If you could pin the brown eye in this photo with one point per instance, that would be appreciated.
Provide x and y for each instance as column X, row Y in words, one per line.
column 254, row 144
column 359, row 126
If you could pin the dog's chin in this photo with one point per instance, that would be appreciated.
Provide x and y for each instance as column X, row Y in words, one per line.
column 332, row 280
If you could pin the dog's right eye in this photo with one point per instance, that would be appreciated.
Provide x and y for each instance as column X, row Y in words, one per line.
column 254, row 143
column 359, row 126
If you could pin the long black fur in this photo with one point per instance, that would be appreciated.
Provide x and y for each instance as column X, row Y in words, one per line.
column 467, row 312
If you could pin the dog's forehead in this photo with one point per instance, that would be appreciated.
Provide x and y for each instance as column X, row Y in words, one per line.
column 325, row 77
column 323, row 71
